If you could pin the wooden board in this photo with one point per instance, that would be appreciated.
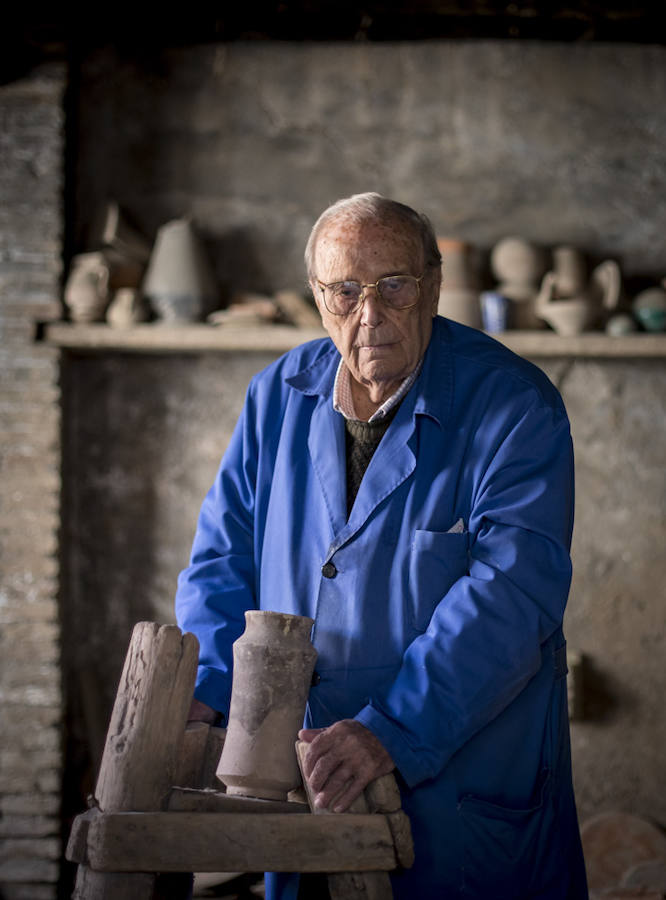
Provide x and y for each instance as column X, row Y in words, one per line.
column 184, row 800
column 240, row 842
column 147, row 725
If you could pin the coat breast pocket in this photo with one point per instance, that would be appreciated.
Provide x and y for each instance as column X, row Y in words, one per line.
column 437, row 560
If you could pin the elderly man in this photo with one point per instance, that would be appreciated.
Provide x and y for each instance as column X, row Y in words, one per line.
column 408, row 485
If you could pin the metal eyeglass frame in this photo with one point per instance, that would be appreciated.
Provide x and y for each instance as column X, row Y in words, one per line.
column 375, row 285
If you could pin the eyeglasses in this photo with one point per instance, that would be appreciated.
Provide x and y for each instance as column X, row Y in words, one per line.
column 397, row 291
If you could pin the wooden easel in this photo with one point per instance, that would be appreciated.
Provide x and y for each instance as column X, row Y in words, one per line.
column 154, row 810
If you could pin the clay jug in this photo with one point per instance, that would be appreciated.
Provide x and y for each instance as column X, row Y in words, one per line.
column 273, row 664
column 518, row 266
column 126, row 309
column 87, row 288
column 459, row 294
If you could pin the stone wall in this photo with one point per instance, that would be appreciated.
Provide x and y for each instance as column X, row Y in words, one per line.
column 31, row 183
column 555, row 142
column 560, row 143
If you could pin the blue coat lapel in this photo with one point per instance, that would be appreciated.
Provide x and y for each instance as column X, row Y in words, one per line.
column 395, row 458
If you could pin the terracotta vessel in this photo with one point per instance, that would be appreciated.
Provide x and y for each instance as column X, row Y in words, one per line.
column 518, row 266
column 459, row 294
column 649, row 307
column 126, row 309
column 273, row 664
column 87, row 288
column 570, row 302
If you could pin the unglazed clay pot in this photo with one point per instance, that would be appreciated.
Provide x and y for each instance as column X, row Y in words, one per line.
column 459, row 293
column 518, row 266
column 273, row 664
column 87, row 288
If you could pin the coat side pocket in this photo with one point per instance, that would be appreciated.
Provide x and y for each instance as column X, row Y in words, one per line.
column 509, row 853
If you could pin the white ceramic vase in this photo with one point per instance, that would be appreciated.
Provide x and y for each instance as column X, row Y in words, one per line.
column 179, row 283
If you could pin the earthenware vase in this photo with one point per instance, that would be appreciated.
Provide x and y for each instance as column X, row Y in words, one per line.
column 459, row 294
column 87, row 288
column 570, row 302
column 127, row 308
column 649, row 307
column 273, row 664
column 179, row 283
column 518, row 266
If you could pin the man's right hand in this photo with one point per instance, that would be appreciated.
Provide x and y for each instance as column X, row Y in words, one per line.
column 201, row 712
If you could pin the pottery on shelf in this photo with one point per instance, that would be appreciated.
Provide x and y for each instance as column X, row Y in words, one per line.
column 459, row 293
column 179, row 283
column 127, row 308
column 570, row 302
column 273, row 664
column 87, row 287
column 518, row 266
column 649, row 307
column 621, row 324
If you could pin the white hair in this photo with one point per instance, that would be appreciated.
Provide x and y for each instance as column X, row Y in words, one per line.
column 362, row 207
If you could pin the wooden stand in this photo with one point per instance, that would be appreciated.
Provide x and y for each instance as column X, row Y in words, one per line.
column 155, row 811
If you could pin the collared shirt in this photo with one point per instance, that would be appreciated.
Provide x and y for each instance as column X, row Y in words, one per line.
column 343, row 401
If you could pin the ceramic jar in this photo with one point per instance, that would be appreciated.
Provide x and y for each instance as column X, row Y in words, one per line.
column 179, row 283
column 649, row 307
column 87, row 287
column 459, row 294
column 273, row 664
column 518, row 266
column 126, row 309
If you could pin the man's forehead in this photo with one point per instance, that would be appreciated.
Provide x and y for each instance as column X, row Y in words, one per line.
column 346, row 235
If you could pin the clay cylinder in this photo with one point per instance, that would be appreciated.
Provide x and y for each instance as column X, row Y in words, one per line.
column 273, row 664
column 459, row 294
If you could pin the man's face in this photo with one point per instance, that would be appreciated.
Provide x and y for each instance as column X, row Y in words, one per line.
column 380, row 345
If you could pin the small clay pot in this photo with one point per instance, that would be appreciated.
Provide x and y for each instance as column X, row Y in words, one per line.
column 459, row 294
column 273, row 664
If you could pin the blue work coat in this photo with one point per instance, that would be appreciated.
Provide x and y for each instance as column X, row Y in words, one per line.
column 446, row 644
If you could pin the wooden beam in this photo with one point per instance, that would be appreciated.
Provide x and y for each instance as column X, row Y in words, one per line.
column 242, row 842
column 147, row 725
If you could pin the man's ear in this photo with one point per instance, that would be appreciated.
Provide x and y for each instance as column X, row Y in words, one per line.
column 316, row 293
column 436, row 285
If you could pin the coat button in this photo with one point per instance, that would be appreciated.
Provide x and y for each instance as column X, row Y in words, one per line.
column 316, row 678
column 328, row 570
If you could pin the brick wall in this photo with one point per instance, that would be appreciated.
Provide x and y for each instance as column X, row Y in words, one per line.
column 31, row 174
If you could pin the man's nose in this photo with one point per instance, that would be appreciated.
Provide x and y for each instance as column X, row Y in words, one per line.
column 372, row 309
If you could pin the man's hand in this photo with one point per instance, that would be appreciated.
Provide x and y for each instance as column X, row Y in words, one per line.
column 201, row 712
column 341, row 760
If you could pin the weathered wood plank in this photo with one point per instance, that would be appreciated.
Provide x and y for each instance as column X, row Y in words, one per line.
column 354, row 884
column 112, row 886
column 212, row 754
column 77, row 845
column 186, row 800
column 360, row 886
column 148, row 719
column 242, row 842
column 190, row 761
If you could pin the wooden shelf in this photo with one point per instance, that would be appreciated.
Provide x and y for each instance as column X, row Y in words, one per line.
column 199, row 338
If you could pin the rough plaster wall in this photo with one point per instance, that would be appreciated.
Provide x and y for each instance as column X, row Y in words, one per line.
column 143, row 442
column 616, row 613
column 555, row 142
column 31, row 151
